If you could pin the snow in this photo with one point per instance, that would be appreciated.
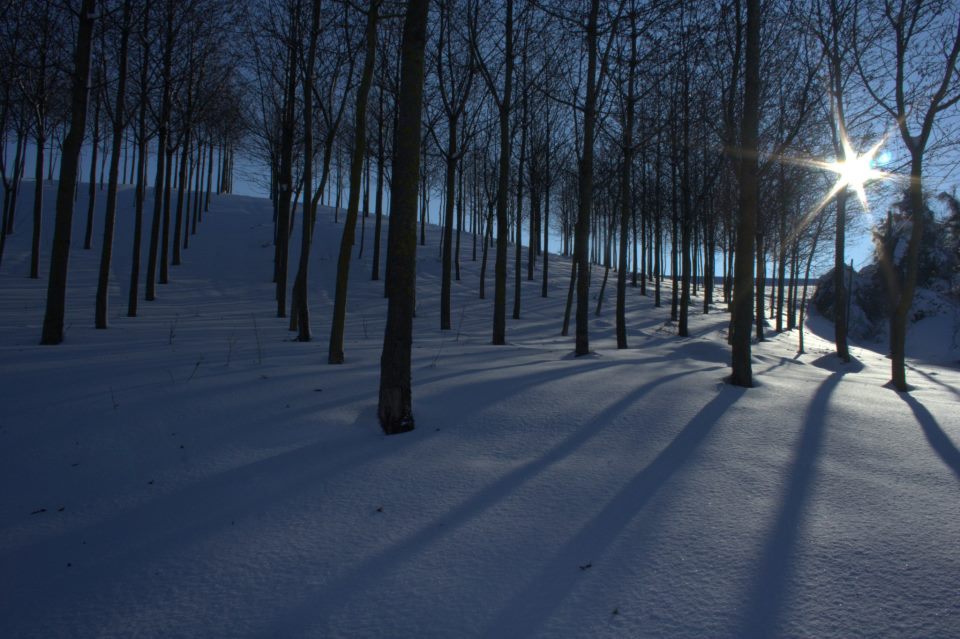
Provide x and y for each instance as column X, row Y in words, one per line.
column 203, row 475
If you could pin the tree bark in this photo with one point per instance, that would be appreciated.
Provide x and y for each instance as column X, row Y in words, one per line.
column 119, row 123
column 500, row 265
column 742, row 320
column 57, row 286
column 335, row 352
column 395, row 409
column 584, row 209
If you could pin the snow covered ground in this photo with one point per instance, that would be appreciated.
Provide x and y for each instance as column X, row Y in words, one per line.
column 195, row 473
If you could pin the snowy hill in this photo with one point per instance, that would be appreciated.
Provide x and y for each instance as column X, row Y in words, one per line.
column 194, row 472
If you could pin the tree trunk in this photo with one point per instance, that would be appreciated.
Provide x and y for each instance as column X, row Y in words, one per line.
column 141, row 167
column 395, row 409
column 626, row 197
column 119, row 123
column 300, row 308
column 335, row 353
column 585, row 205
column 165, row 236
column 839, row 282
column 742, row 320
column 182, row 184
column 57, row 286
column 503, row 181
column 378, row 205
column 285, row 177
column 92, row 191
column 451, row 162
column 901, row 310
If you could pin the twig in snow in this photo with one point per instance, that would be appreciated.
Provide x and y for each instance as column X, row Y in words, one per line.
column 195, row 368
column 173, row 330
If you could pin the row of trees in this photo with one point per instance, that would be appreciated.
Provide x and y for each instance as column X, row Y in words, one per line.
column 144, row 74
column 672, row 133
column 663, row 136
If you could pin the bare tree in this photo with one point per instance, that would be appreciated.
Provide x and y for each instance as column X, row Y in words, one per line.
column 57, row 285
column 454, row 75
column 395, row 408
column 742, row 310
column 920, row 42
column 119, row 121
column 335, row 353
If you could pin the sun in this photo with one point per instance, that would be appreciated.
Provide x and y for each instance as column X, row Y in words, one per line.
column 856, row 170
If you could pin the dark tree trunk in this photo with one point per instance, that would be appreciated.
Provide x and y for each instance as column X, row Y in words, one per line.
column 300, row 307
column 626, row 196
column 839, row 281
column 165, row 237
column 158, row 184
column 500, row 267
column 546, row 217
column 335, row 353
column 565, row 330
column 395, row 409
column 585, row 206
column 902, row 302
column 92, row 190
column 141, row 167
column 451, row 162
column 285, row 177
column 183, row 181
column 57, row 286
column 37, row 210
column 119, row 123
column 518, row 247
column 206, row 200
column 378, row 205
column 742, row 369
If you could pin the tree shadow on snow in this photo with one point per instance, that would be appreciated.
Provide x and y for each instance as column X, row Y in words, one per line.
column 771, row 584
column 545, row 593
column 932, row 378
column 298, row 619
column 939, row 441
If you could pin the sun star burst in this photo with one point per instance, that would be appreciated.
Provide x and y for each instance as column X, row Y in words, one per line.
column 856, row 170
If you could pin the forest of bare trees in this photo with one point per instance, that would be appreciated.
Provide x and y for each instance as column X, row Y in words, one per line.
column 656, row 139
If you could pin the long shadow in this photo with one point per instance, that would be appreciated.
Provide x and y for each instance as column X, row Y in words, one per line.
column 933, row 379
column 939, row 441
column 764, row 606
column 382, row 562
column 545, row 593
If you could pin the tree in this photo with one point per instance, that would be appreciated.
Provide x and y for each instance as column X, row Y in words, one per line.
column 832, row 28
column 395, row 409
column 119, row 120
column 742, row 310
column 926, row 83
column 455, row 73
column 335, row 353
column 57, row 285
column 301, row 310
column 582, row 235
column 626, row 172
column 141, row 137
column 503, row 101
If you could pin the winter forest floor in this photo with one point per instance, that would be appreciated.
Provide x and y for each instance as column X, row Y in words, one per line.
column 194, row 472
